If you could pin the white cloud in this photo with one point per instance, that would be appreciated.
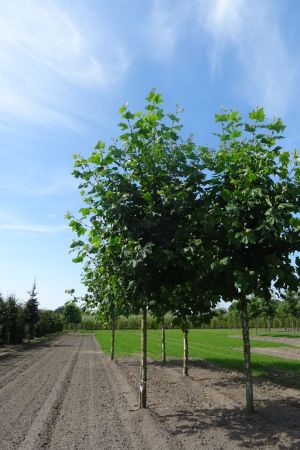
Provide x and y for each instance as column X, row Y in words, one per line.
column 266, row 71
column 165, row 24
column 252, row 31
column 44, row 50
column 34, row 228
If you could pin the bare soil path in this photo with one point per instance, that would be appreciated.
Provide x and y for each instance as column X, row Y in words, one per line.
column 206, row 409
column 67, row 395
column 70, row 396
column 282, row 352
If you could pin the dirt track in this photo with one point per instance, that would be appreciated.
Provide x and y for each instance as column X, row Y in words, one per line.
column 67, row 395
column 72, row 397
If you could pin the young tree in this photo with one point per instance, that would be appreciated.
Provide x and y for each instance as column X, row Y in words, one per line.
column 71, row 313
column 255, row 309
column 292, row 302
column 31, row 311
column 254, row 202
column 142, row 194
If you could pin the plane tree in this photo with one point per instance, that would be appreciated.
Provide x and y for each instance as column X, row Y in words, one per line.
column 252, row 214
column 143, row 194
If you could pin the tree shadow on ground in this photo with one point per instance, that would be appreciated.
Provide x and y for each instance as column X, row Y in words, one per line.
column 274, row 424
column 282, row 378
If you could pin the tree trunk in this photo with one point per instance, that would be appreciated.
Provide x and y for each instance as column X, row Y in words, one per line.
column 143, row 367
column 185, row 352
column 247, row 356
column 163, row 342
column 113, row 332
column 256, row 327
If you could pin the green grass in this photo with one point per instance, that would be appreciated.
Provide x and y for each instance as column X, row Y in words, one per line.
column 276, row 333
column 220, row 347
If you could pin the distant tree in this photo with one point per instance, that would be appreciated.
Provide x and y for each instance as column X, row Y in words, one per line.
column 2, row 319
column 14, row 324
column 292, row 302
column 268, row 311
column 49, row 322
column 283, row 313
column 255, row 309
column 71, row 313
column 31, row 311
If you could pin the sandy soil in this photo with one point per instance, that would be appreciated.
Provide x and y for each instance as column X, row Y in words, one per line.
column 282, row 352
column 67, row 395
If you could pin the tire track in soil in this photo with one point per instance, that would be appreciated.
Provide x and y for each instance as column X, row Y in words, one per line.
column 148, row 432
column 25, row 397
column 100, row 410
column 74, row 397
column 17, row 368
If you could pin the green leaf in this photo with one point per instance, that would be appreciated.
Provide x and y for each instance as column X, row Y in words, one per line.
column 96, row 158
column 173, row 118
column 258, row 115
column 128, row 115
column 78, row 259
column 147, row 196
column 284, row 158
column 295, row 222
column 277, row 125
column 95, row 241
column 122, row 109
column 221, row 117
column 85, row 211
column 123, row 125
column 235, row 134
column 100, row 145
column 250, row 128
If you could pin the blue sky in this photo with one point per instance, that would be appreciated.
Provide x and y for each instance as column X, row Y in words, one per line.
column 67, row 66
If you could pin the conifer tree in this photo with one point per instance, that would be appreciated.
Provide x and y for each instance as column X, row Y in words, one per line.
column 31, row 311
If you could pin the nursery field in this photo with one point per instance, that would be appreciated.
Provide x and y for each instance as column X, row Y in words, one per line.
column 276, row 359
column 65, row 393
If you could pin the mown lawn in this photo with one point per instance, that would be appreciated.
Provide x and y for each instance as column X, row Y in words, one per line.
column 221, row 347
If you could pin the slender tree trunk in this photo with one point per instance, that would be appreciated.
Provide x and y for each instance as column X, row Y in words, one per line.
column 113, row 332
column 185, row 352
column 143, row 367
column 294, row 328
column 256, row 327
column 247, row 356
column 269, row 325
column 163, row 342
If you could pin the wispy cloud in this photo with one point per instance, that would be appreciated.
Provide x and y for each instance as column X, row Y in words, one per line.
column 165, row 24
column 46, row 48
column 34, row 228
column 34, row 182
column 251, row 31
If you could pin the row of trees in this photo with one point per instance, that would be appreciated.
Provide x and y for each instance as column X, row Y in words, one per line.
column 169, row 226
column 20, row 321
column 275, row 313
